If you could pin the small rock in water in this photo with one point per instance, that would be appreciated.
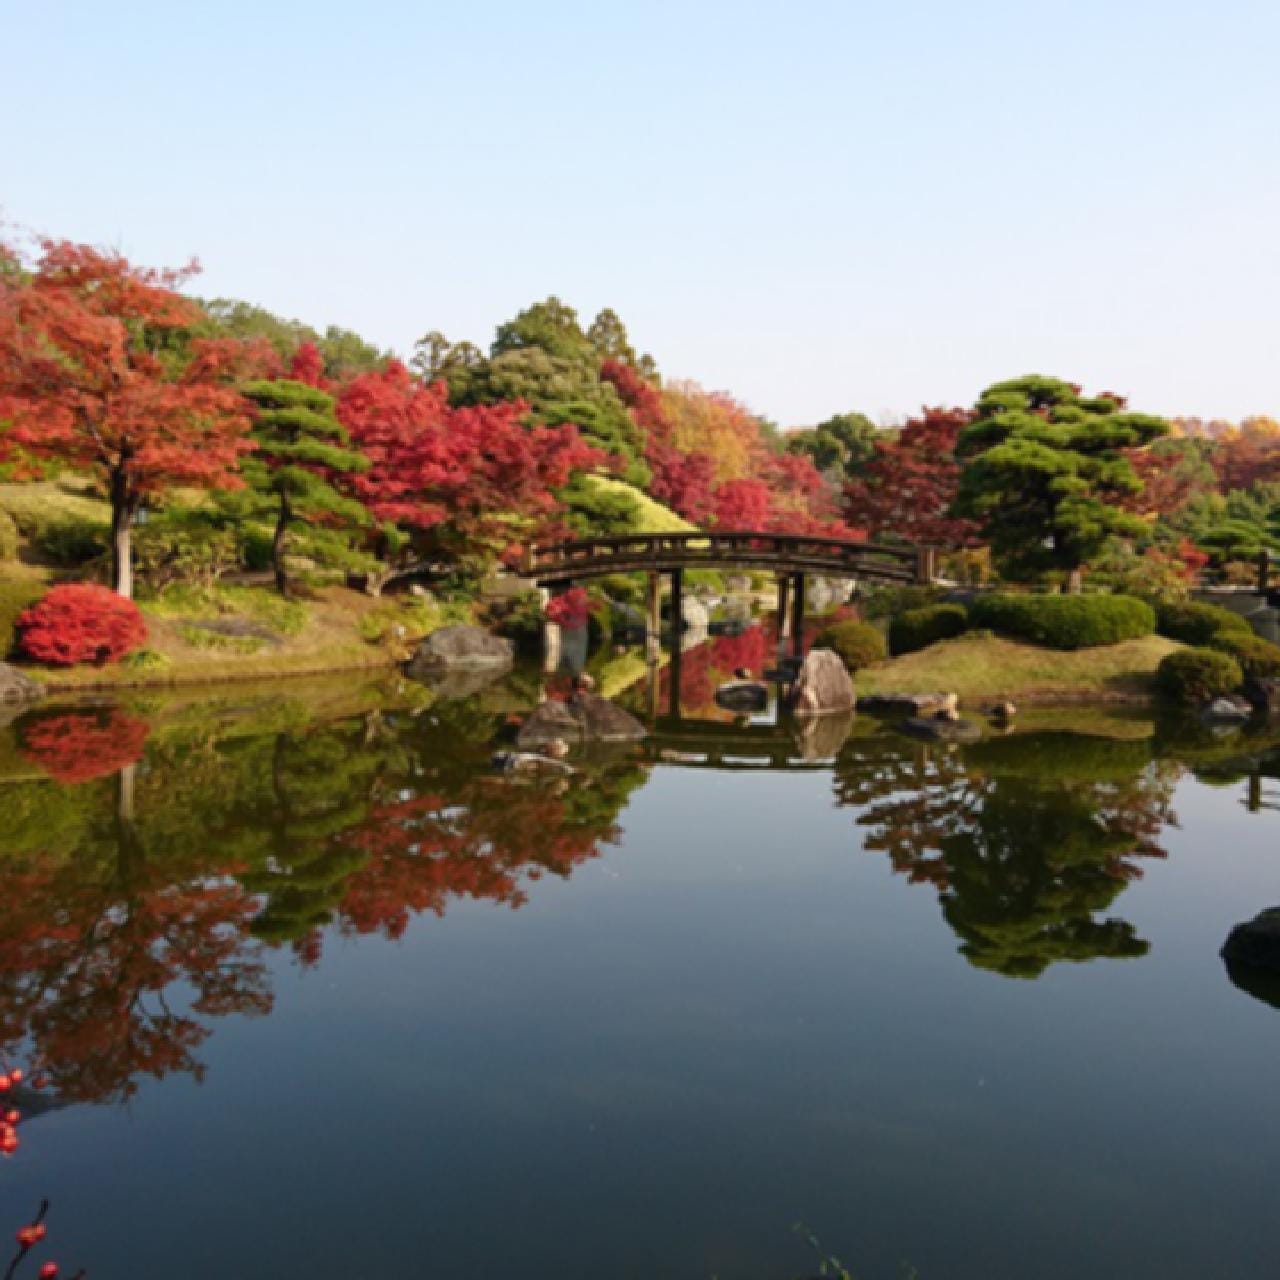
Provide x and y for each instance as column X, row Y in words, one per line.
column 941, row 730
column 1002, row 711
column 743, row 695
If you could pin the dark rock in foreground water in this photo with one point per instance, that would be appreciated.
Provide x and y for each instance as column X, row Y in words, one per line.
column 743, row 695
column 1227, row 710
column 583, row 718
column 1256, row 943
column 464, row 648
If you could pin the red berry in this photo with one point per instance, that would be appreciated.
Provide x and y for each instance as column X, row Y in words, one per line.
column 48, row 1271
column 16, row 1075
column 5, row 1084
column 12, row 1117
column 40, row 1230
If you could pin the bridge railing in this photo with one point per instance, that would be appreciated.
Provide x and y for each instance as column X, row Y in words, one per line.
column 626, row 552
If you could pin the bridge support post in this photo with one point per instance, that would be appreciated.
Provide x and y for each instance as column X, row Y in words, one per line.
column 784, row 613
column 797, row 616
column 677, row 609
column 653, row 621
column 550, row 636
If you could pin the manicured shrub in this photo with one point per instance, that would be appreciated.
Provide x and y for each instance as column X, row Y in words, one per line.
column 885, row 602
column 1193, row 623
column 1197, row 675
column 1258, row 658
column 182, row 547
column 919, row 628
column 1065, row 622
column 858, row 643
column 80, row 622
column 73, row 541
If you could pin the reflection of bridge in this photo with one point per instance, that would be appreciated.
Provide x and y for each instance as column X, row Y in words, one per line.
column 712, row 744
column 789, row 556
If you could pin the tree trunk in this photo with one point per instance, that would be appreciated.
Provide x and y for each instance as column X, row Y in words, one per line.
column 1075, row 581
column 123, row 507
column 277, row 545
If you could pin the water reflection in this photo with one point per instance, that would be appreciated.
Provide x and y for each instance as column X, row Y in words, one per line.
column 144, row 892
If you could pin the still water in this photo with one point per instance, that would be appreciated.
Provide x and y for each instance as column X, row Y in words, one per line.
column 319, row 993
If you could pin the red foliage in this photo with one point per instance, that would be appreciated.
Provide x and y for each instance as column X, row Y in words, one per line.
column 907, row 488
column 80, row 622
column 475, row 467
column 81, row 382
column 307, row 366
column 1248, row 455
column 78, row 746
column 743, row 504
column 684, row 481
column 570, row 608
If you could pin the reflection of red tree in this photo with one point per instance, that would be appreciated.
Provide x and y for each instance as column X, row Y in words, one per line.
column 88, row 962
column 423, row 852
column 78, row 746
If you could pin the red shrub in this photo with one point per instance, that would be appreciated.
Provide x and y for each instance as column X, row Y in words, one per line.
column 570, row 609
column 80, row 622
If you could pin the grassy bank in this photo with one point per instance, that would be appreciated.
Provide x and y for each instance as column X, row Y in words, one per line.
column 986, row 666
column 249, row 633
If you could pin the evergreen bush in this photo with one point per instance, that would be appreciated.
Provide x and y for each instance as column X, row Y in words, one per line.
column 1065, row 622
column 919, row 628
column 858, row 643
column 1197, row 675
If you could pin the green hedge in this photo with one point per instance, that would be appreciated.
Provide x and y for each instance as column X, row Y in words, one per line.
column 1065, row 622
column 858, row 643
column 8, row 537
column 1257, row 657
column 919, row 628
column 1197, row 624
column 1197, row 675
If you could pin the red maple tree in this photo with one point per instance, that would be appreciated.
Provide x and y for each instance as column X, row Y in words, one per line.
column 907, row 487
column 93, row 374
column 481, row 469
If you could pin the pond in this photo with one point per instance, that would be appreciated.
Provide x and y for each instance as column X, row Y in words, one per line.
column 318, row 992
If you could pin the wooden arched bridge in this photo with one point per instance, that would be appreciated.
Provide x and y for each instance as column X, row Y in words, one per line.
column 559, row 565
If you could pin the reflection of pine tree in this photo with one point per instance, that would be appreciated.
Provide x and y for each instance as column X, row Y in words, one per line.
column 1027, row 838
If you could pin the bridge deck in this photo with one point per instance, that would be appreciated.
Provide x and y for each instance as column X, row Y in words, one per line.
column 561, row 562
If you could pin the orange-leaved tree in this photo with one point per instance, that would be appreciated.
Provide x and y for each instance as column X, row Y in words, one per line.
column 95, row 373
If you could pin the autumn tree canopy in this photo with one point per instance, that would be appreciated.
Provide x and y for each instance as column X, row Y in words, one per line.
column 93, row 375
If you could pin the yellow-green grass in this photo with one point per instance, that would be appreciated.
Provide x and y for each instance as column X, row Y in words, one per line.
column 984, row 666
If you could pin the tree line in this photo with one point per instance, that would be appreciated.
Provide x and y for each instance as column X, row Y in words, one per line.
column 323, row 445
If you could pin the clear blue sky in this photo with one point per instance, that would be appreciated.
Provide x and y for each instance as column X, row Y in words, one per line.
column 818, row 206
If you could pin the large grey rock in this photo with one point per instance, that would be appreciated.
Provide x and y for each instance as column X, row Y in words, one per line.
column 1263, row 695
column 583, row 718
column 919, row 705
column 743, row 695
column 1256, row 943
column 464, row 648
column 18, row 688
column 823, row 686
column 941, row 730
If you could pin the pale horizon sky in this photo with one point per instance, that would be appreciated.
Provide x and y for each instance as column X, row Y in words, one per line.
column 867, row 205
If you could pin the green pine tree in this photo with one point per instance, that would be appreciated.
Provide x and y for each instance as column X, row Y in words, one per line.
column 1045, row 473
column 302, row 448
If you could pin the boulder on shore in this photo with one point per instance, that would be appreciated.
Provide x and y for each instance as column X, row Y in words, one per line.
column 823, row 686
column 463, row 648
column 916, row 705
column 743, row 695
column 16, row 687
column 583, row 718
column 1256, row 943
